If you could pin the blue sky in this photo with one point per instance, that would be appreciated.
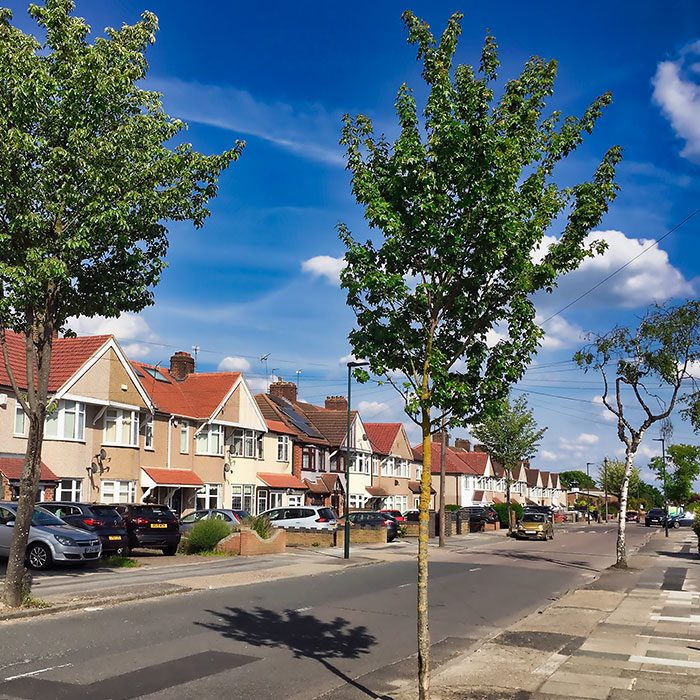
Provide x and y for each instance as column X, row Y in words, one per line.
column 260, row 277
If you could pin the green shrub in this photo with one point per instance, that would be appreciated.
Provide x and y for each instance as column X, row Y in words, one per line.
column 206, row 534
column 696, row 523
column 502, row 510
column 452, row 506
column 259, row 524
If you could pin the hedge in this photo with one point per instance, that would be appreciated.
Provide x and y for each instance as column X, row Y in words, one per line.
column 502, row 510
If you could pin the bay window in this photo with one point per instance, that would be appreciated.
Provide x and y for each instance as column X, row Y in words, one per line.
column 121, row 427
column 208, row 496
column 246, row 443
column 67, row 422
column 210, row 440
column 118, row 491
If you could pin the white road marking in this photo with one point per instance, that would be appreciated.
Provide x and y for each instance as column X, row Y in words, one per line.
column 92, row 609
column 664, row 662
column 405, row 585
column 478, row 568
column 35, row 673
column 308, row 607
column 674, row 618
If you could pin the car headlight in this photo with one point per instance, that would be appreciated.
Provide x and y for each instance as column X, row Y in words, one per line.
column 65, row 541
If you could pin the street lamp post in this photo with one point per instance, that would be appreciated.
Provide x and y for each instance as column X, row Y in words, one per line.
column 346, row 550
column 663, row 479
column 588, row 491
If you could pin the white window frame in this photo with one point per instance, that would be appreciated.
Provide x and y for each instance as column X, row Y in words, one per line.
column 356, row 500
column 402, row 468
column 275, row 499
column 148, row 429
column 388, row 466
column 184, row 433
column 19, row 412
column 117, row 487
column 360, row 462
column 282, row 448
column 132, row 426
column 210, row 432
column 59, row 415
column 295, row 500
column 246, row 443
column 73, row 492
column 208, row 496
column 245, row 493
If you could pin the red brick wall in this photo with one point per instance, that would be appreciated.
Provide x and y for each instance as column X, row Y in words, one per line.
column 296, row 459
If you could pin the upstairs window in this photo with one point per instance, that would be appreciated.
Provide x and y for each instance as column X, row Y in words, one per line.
column 148, row 432
column 67, row 422
column 21, row 421
column 121, row 427
column 184, row 437
column 210, row 440
column 246, row 443
column 282, row 448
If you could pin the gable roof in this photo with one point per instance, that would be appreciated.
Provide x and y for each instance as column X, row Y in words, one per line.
column 382, row 436
column 454, row 464
column 68, row 355
column 277, row 426
column 197, row 396
column 332, row 424
column 532, row 476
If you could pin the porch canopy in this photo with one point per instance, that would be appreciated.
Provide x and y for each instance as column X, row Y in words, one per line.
column 414, row 487
column 377, row 491
column 170, row 478
column 282, row 481
column 11, row 466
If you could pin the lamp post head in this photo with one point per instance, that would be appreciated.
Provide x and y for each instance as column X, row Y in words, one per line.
column 357, row 363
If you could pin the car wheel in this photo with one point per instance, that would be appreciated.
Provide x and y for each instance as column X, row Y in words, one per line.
column 170, row 550
column 38, row 556
column 676, row 524
column 122, row 551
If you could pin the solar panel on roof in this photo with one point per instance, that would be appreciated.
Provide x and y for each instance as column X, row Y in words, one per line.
column 297, row 418
column 156, row 374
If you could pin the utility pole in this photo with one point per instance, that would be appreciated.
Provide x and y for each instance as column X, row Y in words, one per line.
column 441, row 513
column 605, row 487
column 588, row 492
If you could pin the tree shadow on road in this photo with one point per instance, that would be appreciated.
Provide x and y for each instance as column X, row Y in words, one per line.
column 304, row 635
column 573, row 564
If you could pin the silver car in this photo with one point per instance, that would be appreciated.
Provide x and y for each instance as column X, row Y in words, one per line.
column 231, row 517
column 312, row 517
column 50, row 539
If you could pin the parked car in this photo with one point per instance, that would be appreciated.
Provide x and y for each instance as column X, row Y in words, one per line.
column 395, row 514
column 50, row 539
column 150, row 526
column 375, row 518
column 491, row 515
column 681, row 520
column 547, row 510
column 536, row 526
column 632, row 516
column 102, row 520
column 477, row 516
column 655, row 516
column 313, row 517
column 411, row 516
column 232, row 517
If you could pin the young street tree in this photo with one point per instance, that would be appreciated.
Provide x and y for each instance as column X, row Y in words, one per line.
column 680, row 471
column 510, row 436
column 646, row 368
column 462, row 200
column 87, row 180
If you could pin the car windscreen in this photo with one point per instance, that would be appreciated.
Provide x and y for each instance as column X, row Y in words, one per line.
column 152, row 512
column 106, row 513
column 326, row 513
column 241, row 514
column 43, row 517
column 533, row 517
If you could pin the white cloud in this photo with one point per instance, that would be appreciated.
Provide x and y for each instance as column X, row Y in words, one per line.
column 132, row 332
column 372, row 409
column 549, row 456
column 587, row 439
column 324, row 266
column 346, row 358
column 580, row 445
column 259, row 385
column 560, row 334
column 679, row 99
column 234, row 364
column 649, row 278
column 307, row 130
column 605, row 414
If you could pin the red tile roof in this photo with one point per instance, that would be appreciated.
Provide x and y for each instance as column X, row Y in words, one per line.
column 456, row 462
column 333, row 425
column 197, row 396
column 282, row 481
column 382, row 436
column 67, row 357
column 173, row 477
column 277, row 426
column 414, row 487
column 11, row 466
column 270, row 412
column 376, row 491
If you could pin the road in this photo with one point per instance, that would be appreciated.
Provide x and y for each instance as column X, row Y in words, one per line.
column 348, row 634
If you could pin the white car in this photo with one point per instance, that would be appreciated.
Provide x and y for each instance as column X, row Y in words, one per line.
column 312, row 517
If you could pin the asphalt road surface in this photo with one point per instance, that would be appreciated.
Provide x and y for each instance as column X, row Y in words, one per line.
column 348, row 634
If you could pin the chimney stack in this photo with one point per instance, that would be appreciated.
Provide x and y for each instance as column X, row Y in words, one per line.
column 462, row 444
column 284, row 390
column 437, row 437
column 181, row 366
column 337, row 403
column 480, row 448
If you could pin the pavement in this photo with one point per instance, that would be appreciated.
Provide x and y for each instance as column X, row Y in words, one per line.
column 628, row 634
column 335, row 630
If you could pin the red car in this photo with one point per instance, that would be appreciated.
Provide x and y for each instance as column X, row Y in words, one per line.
column 395, row 514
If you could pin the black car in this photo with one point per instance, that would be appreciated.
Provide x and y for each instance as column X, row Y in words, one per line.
column 477, row 515
column 656, row 516
column 150, row 526
column 101, row 519
column 373, row 518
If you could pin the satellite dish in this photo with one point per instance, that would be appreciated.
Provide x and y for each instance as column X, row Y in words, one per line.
column 227, row 467
column 103, row 454
column 94, row 468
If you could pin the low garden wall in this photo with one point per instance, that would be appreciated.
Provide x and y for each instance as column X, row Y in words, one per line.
column 360, row 534
column 248, row 543
column 306, row 537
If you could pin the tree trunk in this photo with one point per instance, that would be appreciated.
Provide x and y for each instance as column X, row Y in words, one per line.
column 443, row 447
column 621, row 520
column 29, row 483
column 423, row 534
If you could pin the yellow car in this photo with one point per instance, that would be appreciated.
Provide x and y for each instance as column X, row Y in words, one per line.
column 535, row 526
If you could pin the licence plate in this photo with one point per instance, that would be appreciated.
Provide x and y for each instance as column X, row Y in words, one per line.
column 161, row 525
column 114, row 537
column 92, row 550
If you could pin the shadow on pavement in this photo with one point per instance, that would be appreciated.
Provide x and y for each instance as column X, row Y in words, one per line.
column 304, row 635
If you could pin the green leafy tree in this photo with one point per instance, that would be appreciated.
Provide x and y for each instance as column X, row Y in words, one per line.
column 576, row 478
column 682, row 468
column 612, row 478
column 461, row 201
column 89, row 176
column 510, row 436
column 646, row 368
column 650, row 496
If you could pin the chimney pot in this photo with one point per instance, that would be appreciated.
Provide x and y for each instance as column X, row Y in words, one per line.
column 337, row 403
column 284, row 390
column 437, row 437
column 181, row 366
